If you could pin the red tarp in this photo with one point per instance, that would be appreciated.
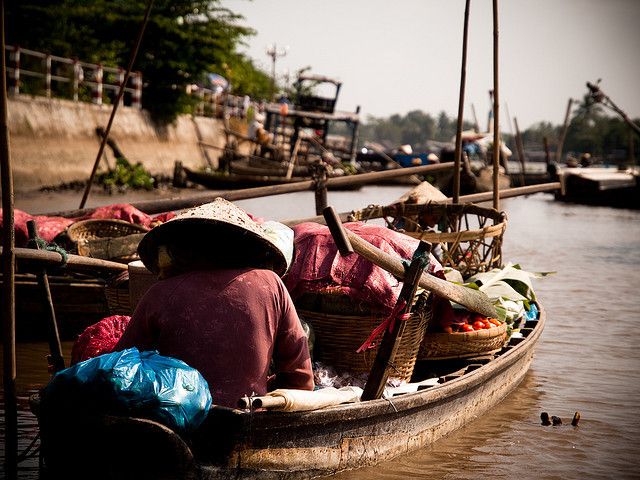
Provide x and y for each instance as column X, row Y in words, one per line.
column 50, row 227
column 318, row 265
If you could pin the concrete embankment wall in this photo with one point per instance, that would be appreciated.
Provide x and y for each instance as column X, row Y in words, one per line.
column 54, row 141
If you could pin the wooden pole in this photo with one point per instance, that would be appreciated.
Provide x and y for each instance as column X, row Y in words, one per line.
column 169, row 204
column 563, row 133
column 383, row 363
column 8, row 283
column 116, row 103
column 463, row 80
column 547, row 155
column 55, row 348
column 73, row 262
column 472, row 198
column 473, row 300
column 520, row 147
column 320, row 187
column 496, row 111
column 476, row 125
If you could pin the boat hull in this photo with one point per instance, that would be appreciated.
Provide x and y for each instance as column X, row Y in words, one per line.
column 231, row 181
column 243, row 444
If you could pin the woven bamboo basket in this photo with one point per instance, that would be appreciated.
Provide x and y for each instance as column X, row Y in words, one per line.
column 470, row 237
column 338, row 335
column 117, row 293
column 82, row 233
column 441, row 346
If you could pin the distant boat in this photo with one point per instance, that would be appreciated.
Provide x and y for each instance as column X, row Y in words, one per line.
column 600, row 186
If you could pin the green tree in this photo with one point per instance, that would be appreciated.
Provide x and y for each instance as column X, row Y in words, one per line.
column 184, row 40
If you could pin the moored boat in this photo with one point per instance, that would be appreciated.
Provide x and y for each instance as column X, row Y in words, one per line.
column 235, row 443
column 226, row 181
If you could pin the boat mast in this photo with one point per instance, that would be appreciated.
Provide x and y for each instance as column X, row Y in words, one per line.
column 496, row 111
column 8, row 278
column 463, row 80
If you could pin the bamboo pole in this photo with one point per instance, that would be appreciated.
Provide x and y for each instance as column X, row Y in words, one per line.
column 169, row 204
column 73, row 263
column 463, row 81
column 115, row 105
column 8, row 276
column 496, row 111
column 472, row 198
column 476, row 125
column 53, row 337
column 563, row 134
column 520, row 147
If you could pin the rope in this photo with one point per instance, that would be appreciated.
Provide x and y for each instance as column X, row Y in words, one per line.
column 38, row 243
column 388, row 322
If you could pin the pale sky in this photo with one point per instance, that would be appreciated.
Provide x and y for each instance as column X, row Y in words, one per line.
column 394, row 57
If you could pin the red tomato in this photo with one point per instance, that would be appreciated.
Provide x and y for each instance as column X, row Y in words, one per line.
column 495, row 321
column 478, row 325
column 487, row 324
column 467, row 328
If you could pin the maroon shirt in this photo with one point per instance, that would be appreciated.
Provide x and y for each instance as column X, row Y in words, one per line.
column 229, row 325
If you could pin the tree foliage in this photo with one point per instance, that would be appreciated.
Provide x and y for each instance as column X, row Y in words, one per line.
column 415, row 128
column 183, row 41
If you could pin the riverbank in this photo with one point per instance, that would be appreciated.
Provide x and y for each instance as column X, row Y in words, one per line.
column 54, row 141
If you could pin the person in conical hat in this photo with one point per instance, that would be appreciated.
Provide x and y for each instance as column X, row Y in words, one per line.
column 220, row 304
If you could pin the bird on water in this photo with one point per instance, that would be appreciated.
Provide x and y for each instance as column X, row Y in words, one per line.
column 554, row 420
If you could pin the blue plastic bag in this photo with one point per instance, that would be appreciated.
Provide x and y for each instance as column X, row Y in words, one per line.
column 130, row 382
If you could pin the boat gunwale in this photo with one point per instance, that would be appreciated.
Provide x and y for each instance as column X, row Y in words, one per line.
column 433, row 395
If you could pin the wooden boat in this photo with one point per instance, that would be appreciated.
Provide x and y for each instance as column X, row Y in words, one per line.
column 236, row 444
column 600, row 186
column 217, row 180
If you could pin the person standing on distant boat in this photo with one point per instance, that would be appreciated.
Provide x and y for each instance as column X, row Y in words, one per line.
column 220, row 304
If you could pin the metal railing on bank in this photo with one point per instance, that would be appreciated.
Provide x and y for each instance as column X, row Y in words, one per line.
column 42, row 74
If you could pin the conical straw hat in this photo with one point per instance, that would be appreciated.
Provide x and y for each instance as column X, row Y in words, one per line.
column 224, row 234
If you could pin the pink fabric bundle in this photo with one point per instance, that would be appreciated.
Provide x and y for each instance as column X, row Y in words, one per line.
column 318, row 265
column 99, row 338
column 50, row 227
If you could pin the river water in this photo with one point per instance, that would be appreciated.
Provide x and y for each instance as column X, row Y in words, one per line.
column 588, row 359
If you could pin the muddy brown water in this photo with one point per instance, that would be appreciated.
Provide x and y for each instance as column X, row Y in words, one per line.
column 588, row 359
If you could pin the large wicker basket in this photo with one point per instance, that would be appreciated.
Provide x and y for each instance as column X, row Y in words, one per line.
column 338, row 335
column 117, row 293
column 84, row 232
column 440, row 346
column 469, row 236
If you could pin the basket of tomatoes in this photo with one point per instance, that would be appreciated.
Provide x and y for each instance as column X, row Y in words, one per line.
column 460, row 334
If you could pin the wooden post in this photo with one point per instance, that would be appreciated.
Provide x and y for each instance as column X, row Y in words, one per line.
column 547, row 155
column 15, row 77
column 47, row 76
column 56, row 360
column 115, row 105
column 476, row 125
column 496, row 111
column 8, row 278
column 463, row 80
column 563, row 134
column 520, row 147
column 388, row 348
column 320, row 180
column 354, row 138
column 97, row 89
column 77, row 73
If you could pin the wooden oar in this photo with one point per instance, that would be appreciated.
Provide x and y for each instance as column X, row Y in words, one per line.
column 473, row 300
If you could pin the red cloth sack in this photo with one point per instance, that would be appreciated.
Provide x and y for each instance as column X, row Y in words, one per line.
column 318, row 265
column 99, row 338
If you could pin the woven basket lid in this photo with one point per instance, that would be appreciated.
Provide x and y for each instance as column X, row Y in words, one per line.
column 222, row 230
